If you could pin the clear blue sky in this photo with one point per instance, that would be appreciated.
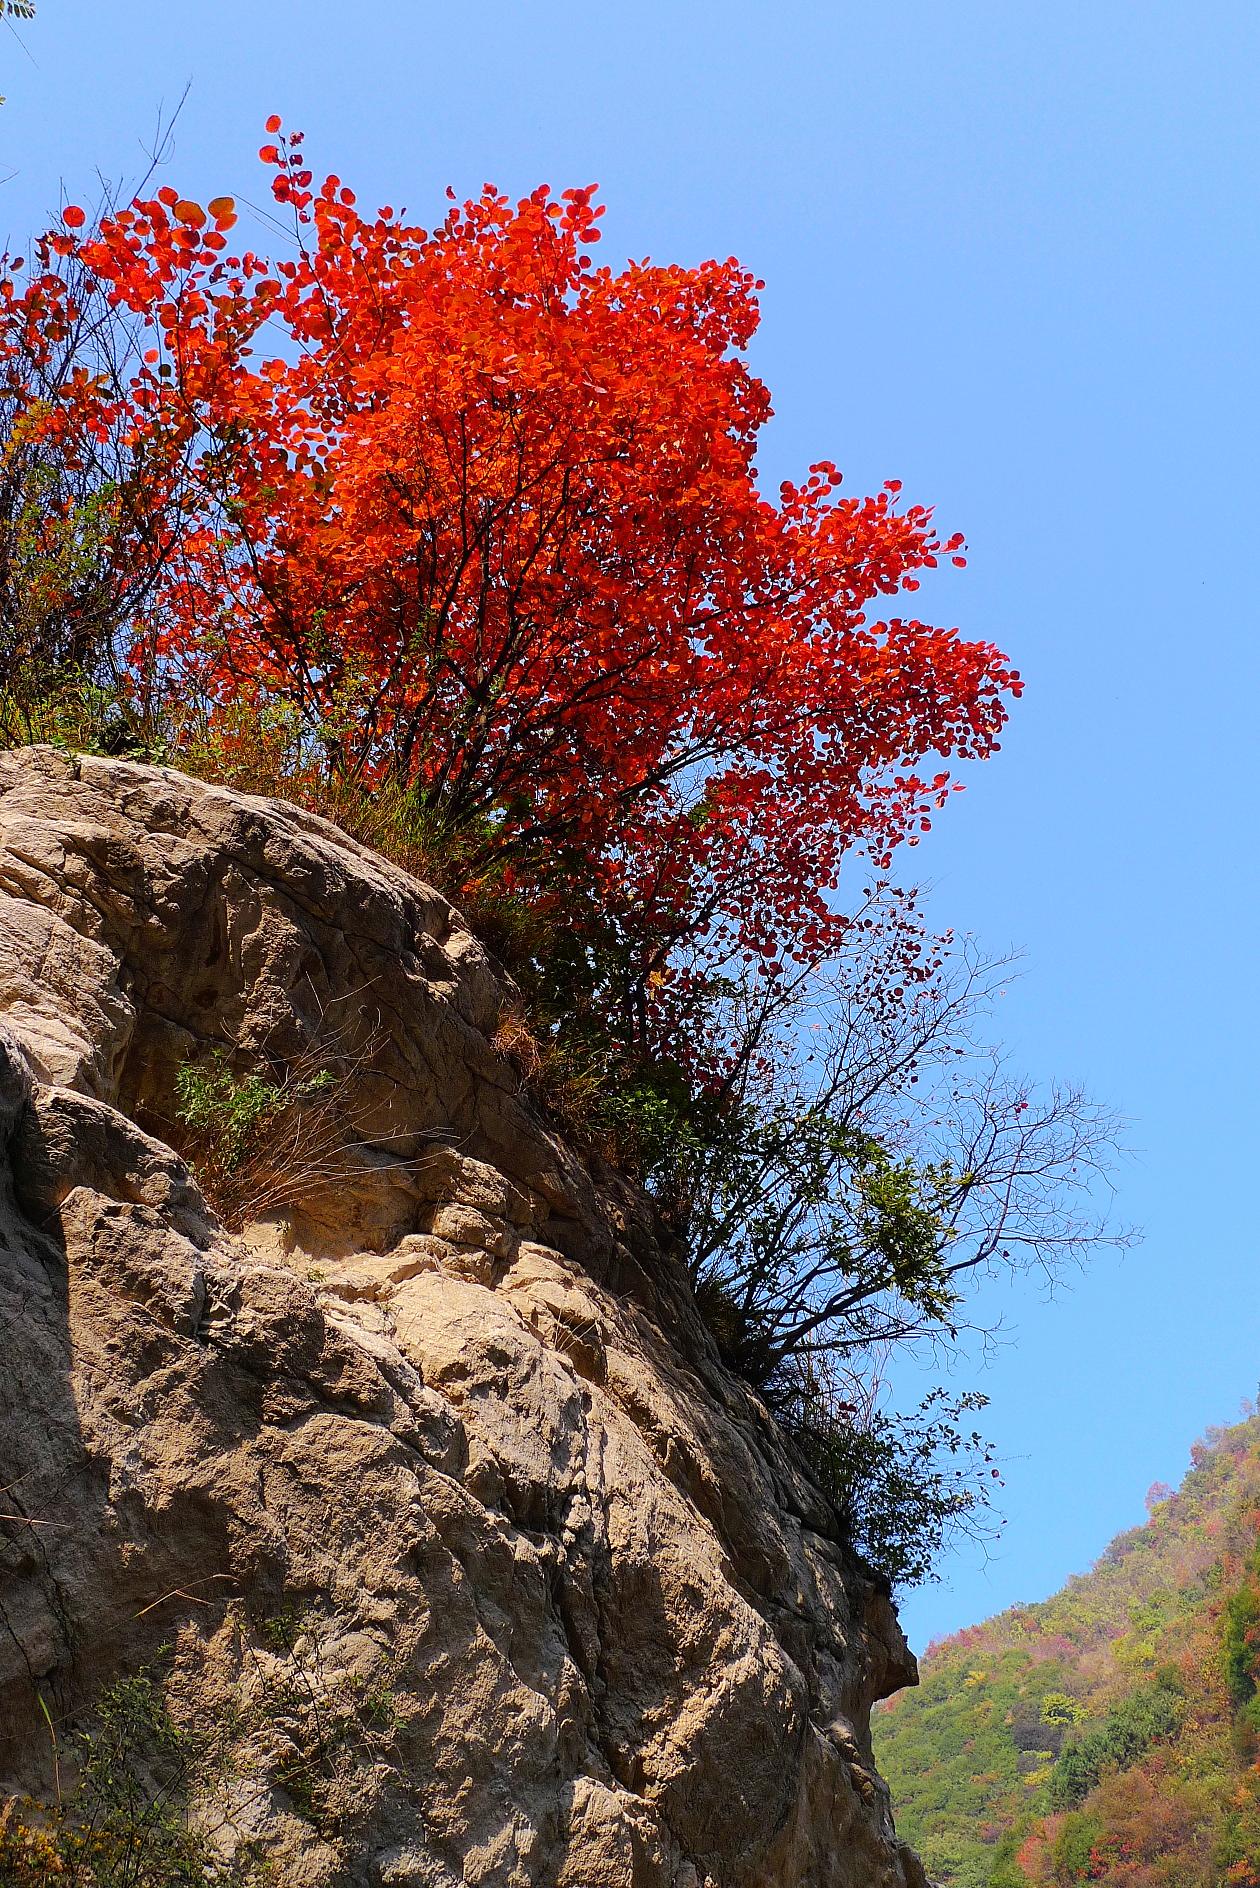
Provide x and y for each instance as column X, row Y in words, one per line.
column 1011, row 258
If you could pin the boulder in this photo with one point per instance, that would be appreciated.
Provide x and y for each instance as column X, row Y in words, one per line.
column 425, row 1491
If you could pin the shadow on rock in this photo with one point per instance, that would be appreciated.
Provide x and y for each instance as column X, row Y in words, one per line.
column 109, row 1288
column 49, row 1490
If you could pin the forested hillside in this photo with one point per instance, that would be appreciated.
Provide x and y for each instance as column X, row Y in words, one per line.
column 1110, row 1734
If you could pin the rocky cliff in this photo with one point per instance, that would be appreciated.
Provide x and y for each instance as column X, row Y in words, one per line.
column 425, row 1491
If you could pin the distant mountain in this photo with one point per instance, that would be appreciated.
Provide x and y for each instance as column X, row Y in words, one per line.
column 1112, row 1733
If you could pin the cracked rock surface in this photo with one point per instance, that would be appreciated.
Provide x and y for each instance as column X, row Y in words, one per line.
column 428, row 1493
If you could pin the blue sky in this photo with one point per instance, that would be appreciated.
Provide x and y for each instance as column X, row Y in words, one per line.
column 1011, row 258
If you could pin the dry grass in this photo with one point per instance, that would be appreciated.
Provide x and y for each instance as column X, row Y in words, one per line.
column 272, row 1140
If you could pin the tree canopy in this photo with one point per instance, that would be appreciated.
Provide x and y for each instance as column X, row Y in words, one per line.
column 484, row 519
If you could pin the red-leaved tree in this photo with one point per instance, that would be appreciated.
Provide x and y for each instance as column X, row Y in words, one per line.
column 485, row 519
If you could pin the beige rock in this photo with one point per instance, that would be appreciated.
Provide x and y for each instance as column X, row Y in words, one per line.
column 434, row 1478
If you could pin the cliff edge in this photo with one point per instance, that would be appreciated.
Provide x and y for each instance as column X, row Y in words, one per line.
column 426, row 1490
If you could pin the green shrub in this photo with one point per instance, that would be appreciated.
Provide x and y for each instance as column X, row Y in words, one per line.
column 1006, row 1872
column 1144, row 1718
column 124, row 1822
column 1241, row 1648
column 901, row 1485
column 228, row 1111
column 1074, row 1848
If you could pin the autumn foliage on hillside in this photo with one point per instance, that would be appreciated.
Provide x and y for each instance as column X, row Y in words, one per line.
column 482, row 519
column 1111, row 1734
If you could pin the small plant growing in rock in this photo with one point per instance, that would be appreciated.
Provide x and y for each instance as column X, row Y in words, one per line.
column 265, row 1140
column 124, row 1822
column 231, row 1111
column 141, row 1798
column 329, row 1735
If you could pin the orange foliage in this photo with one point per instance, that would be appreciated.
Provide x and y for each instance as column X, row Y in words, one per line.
column 486, row 518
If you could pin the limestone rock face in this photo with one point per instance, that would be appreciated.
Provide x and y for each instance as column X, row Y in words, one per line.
column 427, row 1492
